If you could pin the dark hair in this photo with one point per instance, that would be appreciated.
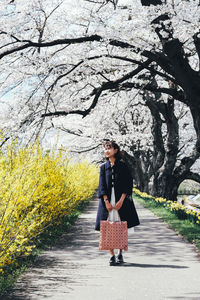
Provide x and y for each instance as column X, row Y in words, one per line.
column 113, row 144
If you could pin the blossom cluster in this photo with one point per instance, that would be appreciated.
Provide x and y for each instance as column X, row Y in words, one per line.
column 37, row 190
column 181, row 211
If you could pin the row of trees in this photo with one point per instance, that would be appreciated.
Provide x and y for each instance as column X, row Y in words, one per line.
column 128, row 69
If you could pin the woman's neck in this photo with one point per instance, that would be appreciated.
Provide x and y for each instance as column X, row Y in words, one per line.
column 112, row 160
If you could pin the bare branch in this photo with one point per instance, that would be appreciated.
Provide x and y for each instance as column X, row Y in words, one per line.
column 85, row 150
column 4, row 141
column 97, row 92
column 124, row 45
column 29, row 44
column 84, row 113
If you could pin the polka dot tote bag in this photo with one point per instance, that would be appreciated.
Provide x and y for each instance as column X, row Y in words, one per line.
column 113, row 235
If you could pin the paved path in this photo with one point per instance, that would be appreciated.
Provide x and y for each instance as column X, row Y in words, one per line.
column 159, row 265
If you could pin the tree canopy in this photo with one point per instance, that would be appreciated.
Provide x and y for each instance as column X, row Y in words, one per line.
column 103, row 61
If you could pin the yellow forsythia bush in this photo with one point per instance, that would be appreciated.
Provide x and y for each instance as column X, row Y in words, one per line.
column 37, row 190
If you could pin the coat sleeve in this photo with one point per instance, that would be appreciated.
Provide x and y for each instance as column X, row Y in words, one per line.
column 127, row 181
column 102, row 182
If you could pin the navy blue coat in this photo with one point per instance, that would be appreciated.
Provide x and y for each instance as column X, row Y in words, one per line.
column 123, row 183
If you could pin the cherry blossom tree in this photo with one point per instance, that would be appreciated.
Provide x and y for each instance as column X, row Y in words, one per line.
column 120, row 45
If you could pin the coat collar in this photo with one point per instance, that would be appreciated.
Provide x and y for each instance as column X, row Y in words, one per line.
column 108, row 166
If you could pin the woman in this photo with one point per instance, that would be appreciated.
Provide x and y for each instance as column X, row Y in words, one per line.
column 115, row 193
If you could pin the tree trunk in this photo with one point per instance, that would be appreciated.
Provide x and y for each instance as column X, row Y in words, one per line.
column 166, row 187
column 140, row 177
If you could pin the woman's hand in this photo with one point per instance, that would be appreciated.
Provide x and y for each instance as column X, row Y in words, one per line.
column 119, row 204
column 108, row 205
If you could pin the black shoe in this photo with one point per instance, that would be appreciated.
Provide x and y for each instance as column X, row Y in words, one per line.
column 112, row 261
column 120, row 259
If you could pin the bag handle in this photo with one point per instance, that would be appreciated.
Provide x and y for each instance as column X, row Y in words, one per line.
column 118, row 217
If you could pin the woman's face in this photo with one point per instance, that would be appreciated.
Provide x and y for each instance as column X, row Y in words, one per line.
column 110, row 151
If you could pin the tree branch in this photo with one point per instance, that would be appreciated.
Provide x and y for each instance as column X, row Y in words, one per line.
column 85, row 150
column 193, row 176
column 7, row 138
column 161, row 59
column 186, row 77
column 186, row 163
column 178, row 95
column 124, row 45
column 196, row 38
column 83, row 113
column 97, row 92
column 29, row 44
column 150, row 68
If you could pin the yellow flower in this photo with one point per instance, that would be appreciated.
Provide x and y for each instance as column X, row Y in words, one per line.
column 37, row 189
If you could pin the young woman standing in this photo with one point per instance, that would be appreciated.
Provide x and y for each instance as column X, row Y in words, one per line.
column 115, row 193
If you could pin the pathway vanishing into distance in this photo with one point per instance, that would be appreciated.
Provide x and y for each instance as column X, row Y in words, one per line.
column 159, row 265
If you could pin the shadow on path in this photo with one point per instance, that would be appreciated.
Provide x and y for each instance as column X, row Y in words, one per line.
column 127, row 264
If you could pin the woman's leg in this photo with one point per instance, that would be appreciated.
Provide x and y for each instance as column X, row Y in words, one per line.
column 111, row 252
column 112, row 260
column 120, row 257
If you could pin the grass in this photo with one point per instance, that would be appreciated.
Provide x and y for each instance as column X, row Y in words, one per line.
column 190, row 231
column 46, row 240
